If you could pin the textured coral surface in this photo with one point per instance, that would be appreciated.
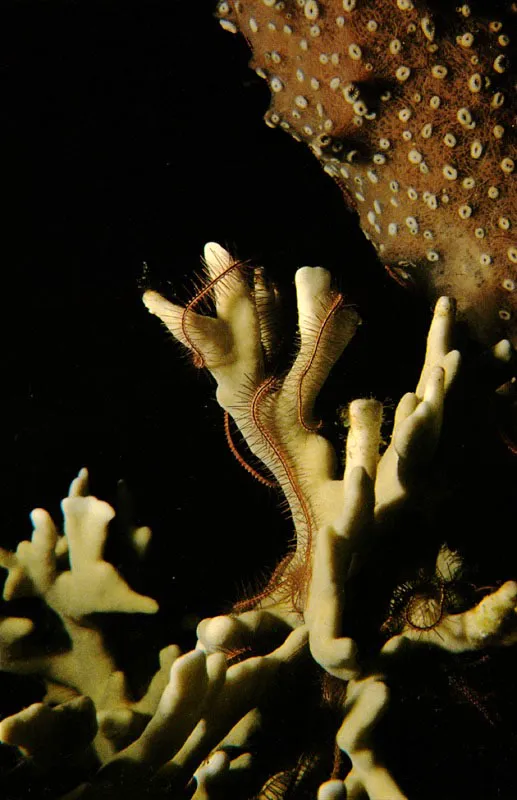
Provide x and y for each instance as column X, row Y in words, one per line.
column 298, row 657
column 96, row 110
column 412, row 111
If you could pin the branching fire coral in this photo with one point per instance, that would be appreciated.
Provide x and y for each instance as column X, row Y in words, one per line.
column 68, row 573
column 275, row 415
column 198, row 728
column 135, row 739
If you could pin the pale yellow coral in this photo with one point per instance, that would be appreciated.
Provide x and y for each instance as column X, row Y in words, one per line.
column 276, row 416
column 83, row 585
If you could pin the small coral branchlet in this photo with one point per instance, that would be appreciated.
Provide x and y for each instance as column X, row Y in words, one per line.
column 69, row 574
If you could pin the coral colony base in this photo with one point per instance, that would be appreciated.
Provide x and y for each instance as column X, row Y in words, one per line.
column 287, row 656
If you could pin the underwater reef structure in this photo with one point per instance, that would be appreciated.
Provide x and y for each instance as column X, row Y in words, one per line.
column 410, row 107
column 374, row 657
column 293, row 656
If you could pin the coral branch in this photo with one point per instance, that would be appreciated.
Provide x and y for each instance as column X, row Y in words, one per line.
column 48, row 734
column 491, row 623
column 243, row 689
column 84, row 585
column 418, row 417
column 193, row 731
column 90, row 584
column 367, row 696
column 332, row 562
column 275, row 416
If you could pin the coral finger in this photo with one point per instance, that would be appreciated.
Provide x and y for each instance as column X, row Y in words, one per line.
column 367, row 701
column 405, row 408
column 227, row 283
column 218, row 633
column 362, row 447
column 47, row 733
column 354, row 787
column 451, row 364
column 200, row 334
column 169, row 313
column 493, row 617
column 44, row 541
column 435, row 390
column 228, row 634
column 86, row 528
column 332, row 790
column 178, row 712
column 210, row 775
column 291, row 648
column 414, row 438
column 149, row 702
column 359, row 505
column 326, row 326
column 332, row 560
column 268, row 312
column 503, row 351
column 17, row 583
column 79, row 486
column 438, row 340
column 121, row 726
column 312, row 293
column 14, row 628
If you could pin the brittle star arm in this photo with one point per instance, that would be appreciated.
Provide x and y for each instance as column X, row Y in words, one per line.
column 490, row 623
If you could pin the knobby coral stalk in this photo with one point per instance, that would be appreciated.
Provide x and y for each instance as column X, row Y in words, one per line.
column 203, row 705
column 274, row 413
